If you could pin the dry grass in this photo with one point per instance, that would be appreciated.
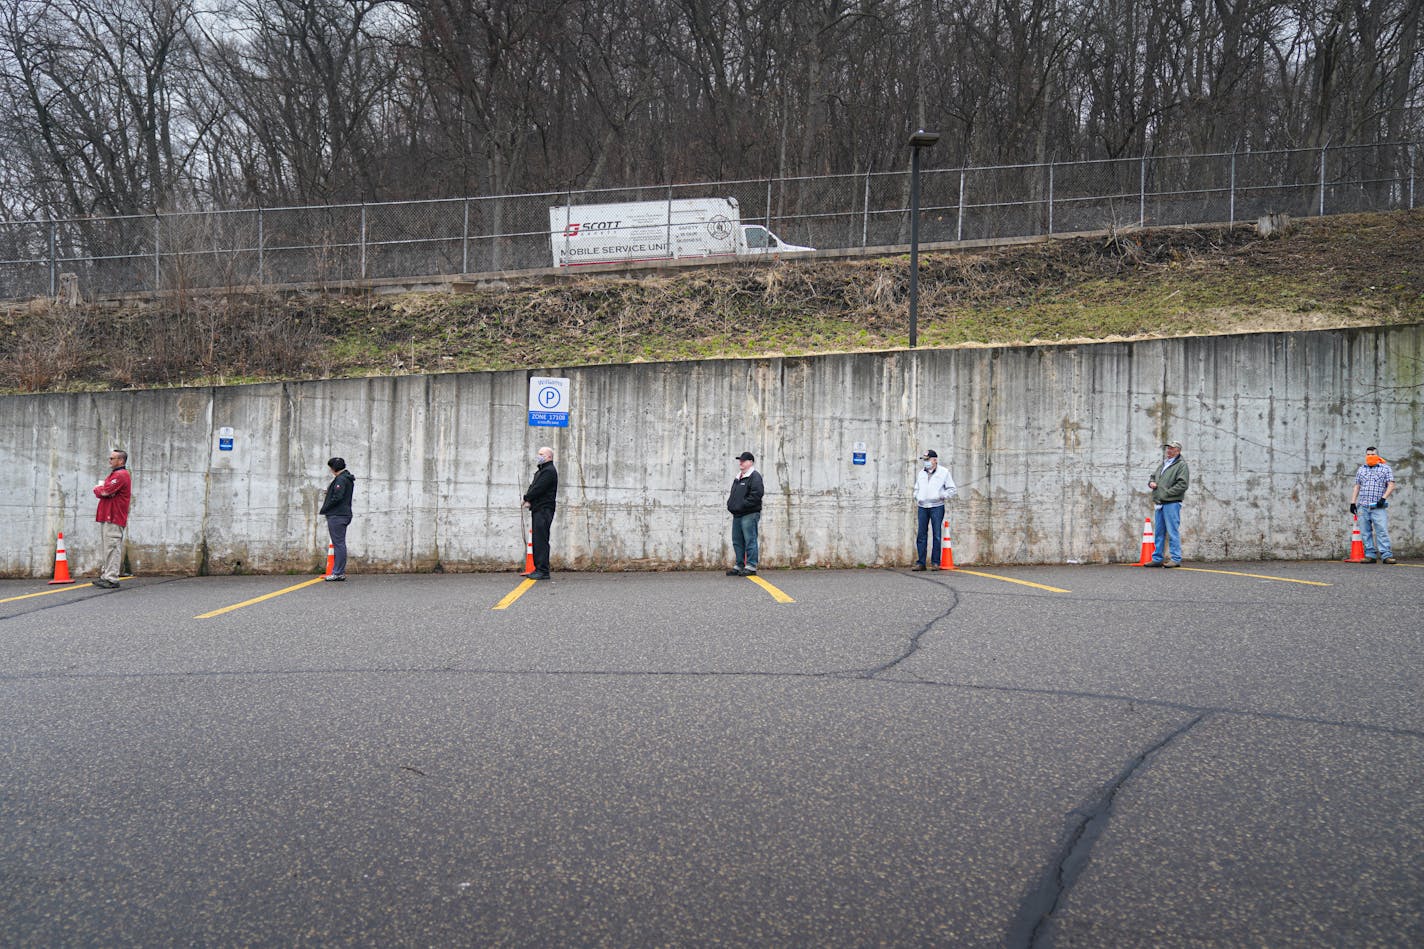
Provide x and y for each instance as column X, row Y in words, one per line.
column 1353, row 270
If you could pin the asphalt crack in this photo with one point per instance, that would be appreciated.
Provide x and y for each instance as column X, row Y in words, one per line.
column 1029, row 927
column 79, row 597
column 913, row 646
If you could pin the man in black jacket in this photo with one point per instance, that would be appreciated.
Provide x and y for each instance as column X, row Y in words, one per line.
column 540, row 501
column 744, row 504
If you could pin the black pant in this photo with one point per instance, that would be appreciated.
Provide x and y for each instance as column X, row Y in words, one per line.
column 541, row 520
column 336, row 525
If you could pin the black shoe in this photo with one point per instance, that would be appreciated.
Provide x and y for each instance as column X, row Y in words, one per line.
column 103, row 584
column 749, row 572
column 735, row 572
column 1153, row 563
column 539, row 575
column 918, row 567
column 335, row 578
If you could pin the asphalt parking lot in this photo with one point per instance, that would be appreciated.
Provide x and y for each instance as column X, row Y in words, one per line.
column 1226, row 754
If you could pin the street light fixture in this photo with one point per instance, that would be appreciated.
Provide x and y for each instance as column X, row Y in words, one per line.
column 919, row 140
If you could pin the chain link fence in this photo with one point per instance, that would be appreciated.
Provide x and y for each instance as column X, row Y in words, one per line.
column 333, row 245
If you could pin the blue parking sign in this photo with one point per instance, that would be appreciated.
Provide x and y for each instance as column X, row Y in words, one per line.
column 548, row 402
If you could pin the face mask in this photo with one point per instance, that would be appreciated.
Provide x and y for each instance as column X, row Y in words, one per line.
column 927, row 466
column 1373, row 460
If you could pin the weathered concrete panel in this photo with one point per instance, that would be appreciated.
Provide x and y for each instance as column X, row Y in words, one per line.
column 1050, row 445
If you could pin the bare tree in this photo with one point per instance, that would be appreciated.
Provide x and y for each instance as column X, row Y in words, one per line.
column 127, row 106
column 95, row 99
column 302, row 80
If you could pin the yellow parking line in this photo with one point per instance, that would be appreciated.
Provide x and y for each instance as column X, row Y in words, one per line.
column 514, row 594
column 69, row 588
column 258, row 599
column 993, row 576
column 1255, row 576
column 775, row 593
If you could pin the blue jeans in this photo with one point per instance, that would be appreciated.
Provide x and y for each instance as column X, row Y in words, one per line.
column 1167, row 526
column 336, row 525
column 930, row 519
column 744, row 538
column 1374, row 530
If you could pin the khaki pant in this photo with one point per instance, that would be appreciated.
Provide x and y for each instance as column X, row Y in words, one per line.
column 113, row 537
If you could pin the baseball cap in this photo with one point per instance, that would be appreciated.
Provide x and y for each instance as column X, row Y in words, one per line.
column 930, row 454
column 1176, row 445
column 746, row 456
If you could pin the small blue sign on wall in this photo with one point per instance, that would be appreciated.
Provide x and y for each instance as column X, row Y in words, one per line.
column 225, row 439
column 857, row 453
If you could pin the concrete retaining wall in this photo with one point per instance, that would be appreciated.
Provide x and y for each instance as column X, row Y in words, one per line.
column 1050, row 445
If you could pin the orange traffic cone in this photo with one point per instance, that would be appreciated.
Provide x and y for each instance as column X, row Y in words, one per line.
column 1357, row 544
column 61, row 563
column 529, row 550
column 946, row 550
column 330, row 558
column 1149, row 542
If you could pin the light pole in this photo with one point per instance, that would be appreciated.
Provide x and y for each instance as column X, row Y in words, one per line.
column 919, row 140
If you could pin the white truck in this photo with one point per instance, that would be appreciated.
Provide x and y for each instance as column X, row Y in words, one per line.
column 638, row 231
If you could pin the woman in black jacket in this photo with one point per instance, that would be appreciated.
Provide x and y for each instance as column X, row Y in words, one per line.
column 337, row 508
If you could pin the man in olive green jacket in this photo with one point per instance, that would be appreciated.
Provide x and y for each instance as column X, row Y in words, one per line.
column 1169, row 485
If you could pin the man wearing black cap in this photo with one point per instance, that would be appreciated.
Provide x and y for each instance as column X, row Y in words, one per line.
column 1169, row 485
column 744, row 504
column 933, row 486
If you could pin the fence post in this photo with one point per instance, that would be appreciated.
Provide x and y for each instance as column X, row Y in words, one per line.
column 465, row 239
column 768, row 202
column 1322, row 180
column 53, row 261
column 1050, row 199
column 261, row 250
column 1413, row 150
column 672, row 253
column 959, row 227
column 865, row 220
column 568, row 217
column 157, row 271
column 363, row 240
column 1232, row 203
column 1142, row 192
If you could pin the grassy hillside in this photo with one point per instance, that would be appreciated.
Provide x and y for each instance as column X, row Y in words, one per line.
column 1340, row 271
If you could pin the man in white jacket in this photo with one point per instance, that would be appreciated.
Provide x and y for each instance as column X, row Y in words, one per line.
column 933, row 486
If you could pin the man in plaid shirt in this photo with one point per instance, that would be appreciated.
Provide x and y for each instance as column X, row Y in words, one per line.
column 1374, row 483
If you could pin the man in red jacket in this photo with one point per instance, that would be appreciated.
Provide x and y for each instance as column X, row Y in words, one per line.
column 113, row 494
